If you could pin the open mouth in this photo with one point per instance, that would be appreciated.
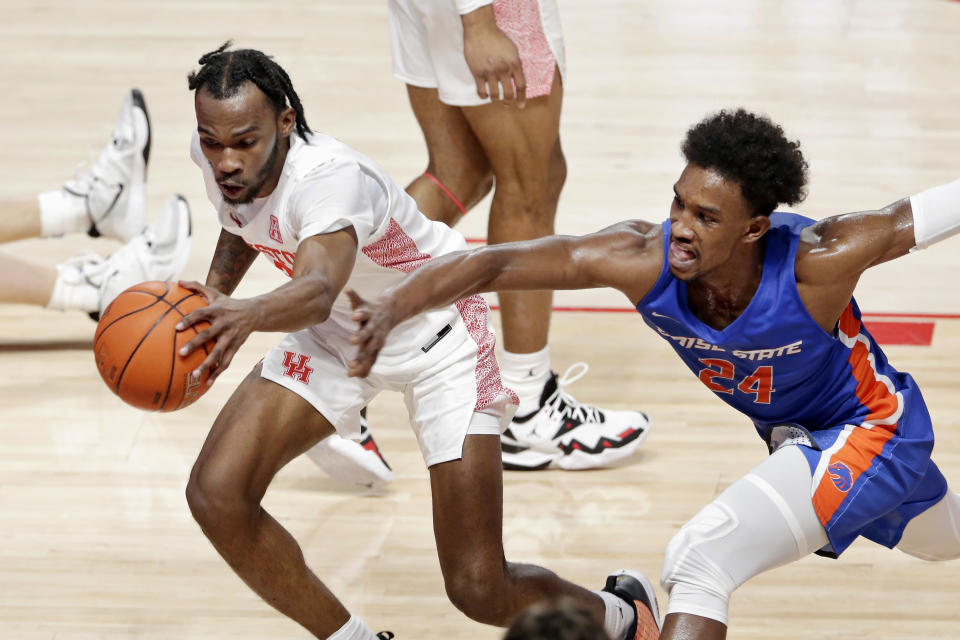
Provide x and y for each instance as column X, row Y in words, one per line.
column 230, row 190
column 680, row 255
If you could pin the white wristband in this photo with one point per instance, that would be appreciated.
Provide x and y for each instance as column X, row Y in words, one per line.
column 466, row 6
column 936, row 214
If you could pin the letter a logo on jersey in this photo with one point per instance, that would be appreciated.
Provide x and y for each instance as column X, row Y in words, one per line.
column 275, row 229
column 299, row 369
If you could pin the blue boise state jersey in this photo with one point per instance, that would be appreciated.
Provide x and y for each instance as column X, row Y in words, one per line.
column 774, row 363
column 871, row 471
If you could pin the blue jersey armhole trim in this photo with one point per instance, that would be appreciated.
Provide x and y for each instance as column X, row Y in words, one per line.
column 665, row 276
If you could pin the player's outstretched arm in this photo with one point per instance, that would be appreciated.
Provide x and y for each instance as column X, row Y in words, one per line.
column 835, row 252
column 231, row 260
column 627, row 257
column 321, row 269
column 853, row 242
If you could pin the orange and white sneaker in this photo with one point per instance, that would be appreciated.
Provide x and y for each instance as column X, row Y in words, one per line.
column 355, row 462
column 636, row 589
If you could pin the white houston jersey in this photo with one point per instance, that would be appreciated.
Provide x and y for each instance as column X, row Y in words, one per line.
column 327, row 186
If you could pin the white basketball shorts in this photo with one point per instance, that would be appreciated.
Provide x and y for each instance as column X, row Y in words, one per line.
column 426, row 37
column 451, row 384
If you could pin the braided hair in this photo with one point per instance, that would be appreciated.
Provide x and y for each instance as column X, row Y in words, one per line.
column 223, row 72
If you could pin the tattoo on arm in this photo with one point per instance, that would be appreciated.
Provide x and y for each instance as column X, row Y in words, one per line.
column 231, row 259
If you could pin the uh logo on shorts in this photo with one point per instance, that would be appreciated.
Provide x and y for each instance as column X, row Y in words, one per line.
column 297, row 369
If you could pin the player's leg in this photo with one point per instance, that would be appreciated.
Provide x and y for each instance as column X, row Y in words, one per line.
column 458, row 174
column 523, row 146
column 23, row 282
column 524, row 149
column 763, row 520
column 262, row 427
column 19, row 220
column 934, row 534
column 468, row 521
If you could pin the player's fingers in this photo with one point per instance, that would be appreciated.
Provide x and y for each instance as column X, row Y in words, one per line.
column 481, row 86
column 210, row 363
column 196, row 287
column 192, row 318
column 221, row 366
column 200, row 339
column 356, row 302
column 520, row 82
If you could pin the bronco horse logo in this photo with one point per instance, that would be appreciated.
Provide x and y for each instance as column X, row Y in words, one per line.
column 841, row 476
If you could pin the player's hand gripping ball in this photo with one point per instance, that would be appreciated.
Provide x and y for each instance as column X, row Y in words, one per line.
column 137, row 347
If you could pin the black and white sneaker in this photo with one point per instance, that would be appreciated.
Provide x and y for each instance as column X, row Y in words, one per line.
column 635, row 588
column 385, row 635
column 567, row 434
column 354, row 462
column 115, row 184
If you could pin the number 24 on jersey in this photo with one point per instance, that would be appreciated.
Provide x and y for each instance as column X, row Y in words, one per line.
column 758, row 384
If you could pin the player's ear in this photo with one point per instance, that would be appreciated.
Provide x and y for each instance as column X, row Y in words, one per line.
column 286, row 121
column 757, row 226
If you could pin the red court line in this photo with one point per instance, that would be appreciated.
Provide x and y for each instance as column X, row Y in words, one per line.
column 908, row 333
column 885, row 332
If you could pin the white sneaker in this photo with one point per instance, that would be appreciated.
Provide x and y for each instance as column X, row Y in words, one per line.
column 159, row 253
column 359, row 463
column 567, row 434
column 114, row 186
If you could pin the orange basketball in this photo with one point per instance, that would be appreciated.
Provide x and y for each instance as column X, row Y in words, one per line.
column 137, row 347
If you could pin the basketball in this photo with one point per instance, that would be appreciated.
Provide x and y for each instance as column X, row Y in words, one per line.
column 136, row 347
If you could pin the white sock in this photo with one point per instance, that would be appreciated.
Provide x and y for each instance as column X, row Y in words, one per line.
column 619, row 615
column 353, row 630
column 62, row 212
column 526, row 374
column 73, row 293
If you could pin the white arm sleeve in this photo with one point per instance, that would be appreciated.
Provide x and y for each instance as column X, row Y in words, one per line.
column 936, row 214
column 332, row 197
column 466, row 6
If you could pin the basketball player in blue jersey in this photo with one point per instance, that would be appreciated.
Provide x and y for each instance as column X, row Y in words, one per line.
column 760, row 306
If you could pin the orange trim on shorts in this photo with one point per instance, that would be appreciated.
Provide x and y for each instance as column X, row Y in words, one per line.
column 864, row 444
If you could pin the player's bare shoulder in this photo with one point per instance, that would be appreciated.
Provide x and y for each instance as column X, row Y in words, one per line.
column 630, row 254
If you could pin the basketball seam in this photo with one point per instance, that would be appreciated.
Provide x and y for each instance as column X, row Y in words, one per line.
column 99, row 334
column 173, row 361
column 144, row 337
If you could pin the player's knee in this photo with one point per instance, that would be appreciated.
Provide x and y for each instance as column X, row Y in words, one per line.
column 215, row 503
column 477, row 589
column 467, row 183
column 692, row 576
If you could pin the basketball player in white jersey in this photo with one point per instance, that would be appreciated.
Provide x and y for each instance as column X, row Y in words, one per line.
column 485, row 82
column 107, row 199
column 329, row 217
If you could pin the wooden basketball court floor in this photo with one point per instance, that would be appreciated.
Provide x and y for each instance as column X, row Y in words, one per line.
column 96, row 541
